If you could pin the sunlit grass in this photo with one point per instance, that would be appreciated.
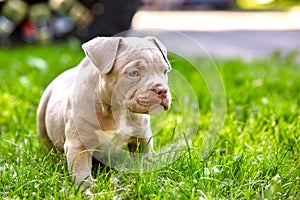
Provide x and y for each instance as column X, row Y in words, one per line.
column 256, row 157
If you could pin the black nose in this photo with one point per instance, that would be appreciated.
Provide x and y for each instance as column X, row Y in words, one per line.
column 161, row 91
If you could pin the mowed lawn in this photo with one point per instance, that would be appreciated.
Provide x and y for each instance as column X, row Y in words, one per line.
column 257, row 155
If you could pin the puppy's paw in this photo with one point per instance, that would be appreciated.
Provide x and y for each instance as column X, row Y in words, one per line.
column 88, row 193
column 88, row 185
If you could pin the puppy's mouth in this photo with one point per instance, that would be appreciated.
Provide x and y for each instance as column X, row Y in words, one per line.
column 165, row 103
column 157, row 108
column 148, row 103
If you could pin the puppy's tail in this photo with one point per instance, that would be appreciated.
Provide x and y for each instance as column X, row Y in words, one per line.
column 41, row 115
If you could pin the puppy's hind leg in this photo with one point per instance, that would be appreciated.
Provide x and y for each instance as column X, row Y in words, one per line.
column 41, row 115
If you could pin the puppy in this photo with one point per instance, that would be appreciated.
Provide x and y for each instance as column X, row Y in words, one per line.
column 104, row 103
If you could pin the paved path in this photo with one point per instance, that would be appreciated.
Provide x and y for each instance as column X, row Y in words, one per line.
column 229, row 34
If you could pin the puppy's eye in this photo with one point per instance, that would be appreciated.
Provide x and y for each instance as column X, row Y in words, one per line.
column 134, row 73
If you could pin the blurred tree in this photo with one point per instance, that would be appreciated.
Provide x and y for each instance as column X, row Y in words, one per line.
column 267, row 4
column 285, row 3
column 42, row 21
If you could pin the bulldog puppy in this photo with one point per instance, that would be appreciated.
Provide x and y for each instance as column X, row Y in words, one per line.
column 104, row 103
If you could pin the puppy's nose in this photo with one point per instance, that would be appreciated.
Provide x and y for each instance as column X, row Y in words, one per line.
column 161, row 91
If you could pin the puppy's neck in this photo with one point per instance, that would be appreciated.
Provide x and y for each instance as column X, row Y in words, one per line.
column 104, row 113
column 119, row 119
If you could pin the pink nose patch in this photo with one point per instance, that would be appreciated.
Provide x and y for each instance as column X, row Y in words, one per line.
column 161, row 91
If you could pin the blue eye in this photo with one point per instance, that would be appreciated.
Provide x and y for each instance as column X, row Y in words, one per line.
column 134, row 73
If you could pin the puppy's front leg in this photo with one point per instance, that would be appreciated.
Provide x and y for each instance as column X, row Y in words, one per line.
column 141, row 145
column 79, row 161
column 78, row 158
column 147, row 144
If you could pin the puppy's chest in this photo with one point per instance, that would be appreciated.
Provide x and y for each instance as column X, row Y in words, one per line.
column 109, row 135
column 112, row 141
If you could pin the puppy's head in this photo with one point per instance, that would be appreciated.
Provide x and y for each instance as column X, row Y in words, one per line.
column 133, row 72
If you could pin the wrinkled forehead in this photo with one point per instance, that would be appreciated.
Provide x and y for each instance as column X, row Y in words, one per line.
column 142, row 56
column 135, row 43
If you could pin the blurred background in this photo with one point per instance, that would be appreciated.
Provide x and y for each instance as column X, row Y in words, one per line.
column 45, row 21
column 225, row 28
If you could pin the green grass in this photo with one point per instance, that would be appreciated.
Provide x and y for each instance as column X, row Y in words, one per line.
column 256, row 157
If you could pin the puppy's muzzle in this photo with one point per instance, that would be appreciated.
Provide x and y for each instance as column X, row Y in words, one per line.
column 162, row 93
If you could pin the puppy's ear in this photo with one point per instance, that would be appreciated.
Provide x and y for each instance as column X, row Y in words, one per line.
column 161, row 47
column 102, row 51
